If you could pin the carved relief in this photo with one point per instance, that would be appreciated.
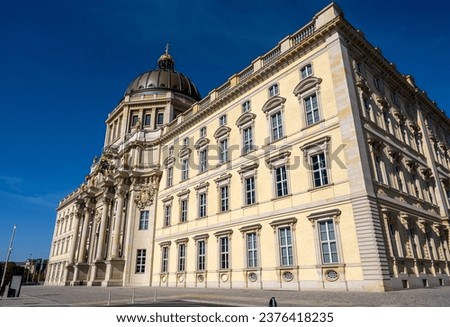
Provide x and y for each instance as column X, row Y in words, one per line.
column 145, row 196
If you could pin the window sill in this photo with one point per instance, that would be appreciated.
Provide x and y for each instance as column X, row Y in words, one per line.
column 275, row 141
column 249, row 205
column 281, row 197
column 312, row 125
column 319, row 188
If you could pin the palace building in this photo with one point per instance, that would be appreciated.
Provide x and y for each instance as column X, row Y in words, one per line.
column 318, row 166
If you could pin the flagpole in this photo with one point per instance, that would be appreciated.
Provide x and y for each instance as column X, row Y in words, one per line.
column 7, row 258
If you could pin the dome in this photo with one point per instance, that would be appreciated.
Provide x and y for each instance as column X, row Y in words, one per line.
column 164, row 77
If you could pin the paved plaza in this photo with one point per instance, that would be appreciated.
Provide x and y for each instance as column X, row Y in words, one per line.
column 37, row 296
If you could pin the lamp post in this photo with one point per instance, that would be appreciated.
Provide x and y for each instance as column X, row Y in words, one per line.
column 7, row 258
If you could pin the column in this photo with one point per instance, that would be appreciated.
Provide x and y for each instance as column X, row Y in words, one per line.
column 102, row 234
column 84, row 231
column 74, row 242
column 390, row 242
column 121, row 191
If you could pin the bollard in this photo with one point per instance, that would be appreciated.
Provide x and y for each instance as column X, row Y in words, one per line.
column 272, row 302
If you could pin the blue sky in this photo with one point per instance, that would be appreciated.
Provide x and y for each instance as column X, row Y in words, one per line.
column 65, row 64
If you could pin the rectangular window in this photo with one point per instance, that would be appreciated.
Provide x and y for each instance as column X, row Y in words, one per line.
column 250, row 190
column 165, row 259
column 447, row 191
column 143, row 220
column 134, row 120
column 285, row 239
column 273, row 90
column 246, row 106
column 223, row 155
column 319, row 169
column 252, row 251
column 167, row 214
column 306, row 71
column 281, row 185
column 201, row 255
column 181, row 257
column 171, row 149
column 203, row 160
column 203, row 132
column 247, row 140
column 277, row 126
column 147, row 119
column 399, row 177
column 186, row 141
column 392, row 233
column 222, row 120
column 224, row 198
column 184, row 169
column 224, row 252
column 328, row 243
column 378, row 169
column 140, row 261
column 160, row 118
column 169, row 176
column 311, row 109
column 202, row 205
column 184, row 210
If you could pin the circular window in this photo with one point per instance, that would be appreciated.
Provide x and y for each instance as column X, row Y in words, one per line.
column 181, row 278
column 253, row 277
column 200, row 278
column 163, row 278
column 224, row 277
column 331, row 275
column 288, row 276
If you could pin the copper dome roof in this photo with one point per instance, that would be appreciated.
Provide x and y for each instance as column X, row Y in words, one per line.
column 164, row 77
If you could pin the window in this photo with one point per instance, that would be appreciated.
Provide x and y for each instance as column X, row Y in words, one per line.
column 203, row 132
column 201, row 255
column 169, row 176
column 171, row 149
column 250, row 190
column 224, row 198
column 223, row 148
column 311, row 109
column 392, row 235
column 378, row 84
column 165, row 259
column 184, row 169
column 246, row 106
column 203, row 160
column 224, row 252
column 306, row 71
column 183, row 210
column 134, row 120
column 186, row 141
column 378, row 169
column 252, row 250
column 181, row 257
column 415, row 185
column 140, row 261
column 222, row 120
column 277, row 126
column 399, row 177
column 147, row 119
column 319, row 169
column 281, row 185
column 447, row 192
column 202, row 205
column 285, row 243
column 167, row 214
column 273, row 90
column 328, row 243
column 247, row 140
column 160, row 118
column 143, row 220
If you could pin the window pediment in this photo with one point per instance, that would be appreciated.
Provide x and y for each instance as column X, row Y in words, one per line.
column 222, row 131
column 201, row 143
column 184, row 152
column 245, row 118
column 273, row 103
column 307, row 84
column 169, row 161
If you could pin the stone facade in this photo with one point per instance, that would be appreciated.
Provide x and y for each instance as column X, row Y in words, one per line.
column 319, row 166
